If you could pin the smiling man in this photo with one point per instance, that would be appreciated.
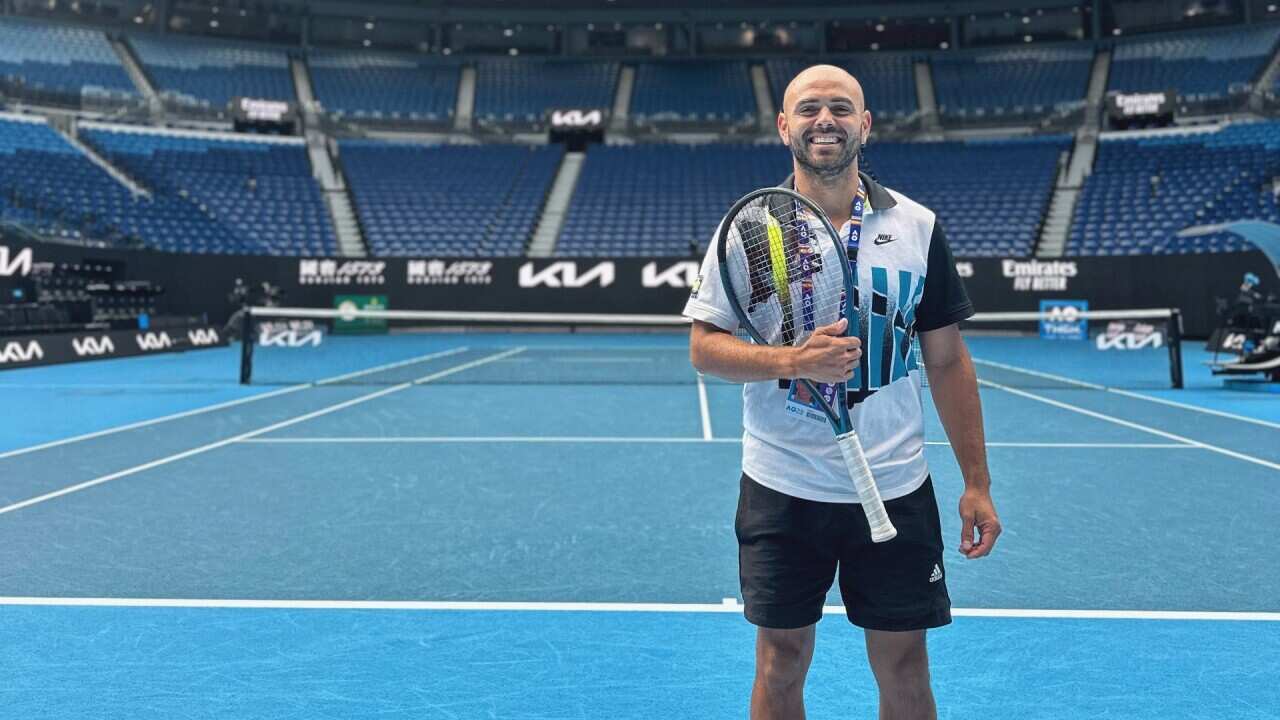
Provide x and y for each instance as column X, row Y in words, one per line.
column 798, row 525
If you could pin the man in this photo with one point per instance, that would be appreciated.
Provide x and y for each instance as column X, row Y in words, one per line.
column 798, row 524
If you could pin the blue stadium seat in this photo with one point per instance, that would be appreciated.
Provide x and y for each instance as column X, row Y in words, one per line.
column 1012, row 83
column 1201, row 66
column 702, row 91
column 455, row 200
column 523, row 90
column 77, row 62
column 1143, row 190
column 207, row 74
column 375, row 86
column 220, row 195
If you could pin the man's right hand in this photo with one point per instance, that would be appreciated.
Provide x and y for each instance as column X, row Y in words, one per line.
column 828, row 356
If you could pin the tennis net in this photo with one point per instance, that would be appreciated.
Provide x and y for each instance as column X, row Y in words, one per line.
column 1124, row 348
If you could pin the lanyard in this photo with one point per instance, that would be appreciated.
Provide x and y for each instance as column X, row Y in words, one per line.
column 805, row 250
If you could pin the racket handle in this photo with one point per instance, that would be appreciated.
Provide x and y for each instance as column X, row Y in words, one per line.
column 868, row 494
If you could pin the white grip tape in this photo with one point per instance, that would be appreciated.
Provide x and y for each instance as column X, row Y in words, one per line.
column 865, row 485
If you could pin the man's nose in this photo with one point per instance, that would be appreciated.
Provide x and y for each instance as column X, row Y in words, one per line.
column 825, row 118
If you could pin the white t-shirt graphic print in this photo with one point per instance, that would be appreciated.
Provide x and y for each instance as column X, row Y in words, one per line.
column 906, row 273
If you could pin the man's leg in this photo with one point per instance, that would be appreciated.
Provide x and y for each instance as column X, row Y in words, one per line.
column 782, row 660
column 900, row 661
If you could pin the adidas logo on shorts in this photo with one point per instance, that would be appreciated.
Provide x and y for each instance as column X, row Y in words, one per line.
column 936, row 575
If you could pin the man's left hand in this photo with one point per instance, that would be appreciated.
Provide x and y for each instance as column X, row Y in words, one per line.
column 977, row 511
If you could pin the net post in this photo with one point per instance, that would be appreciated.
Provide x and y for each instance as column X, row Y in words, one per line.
column 246, row 345
column 1175, row 347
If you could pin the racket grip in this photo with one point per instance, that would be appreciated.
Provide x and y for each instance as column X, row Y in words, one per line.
column 882, row 528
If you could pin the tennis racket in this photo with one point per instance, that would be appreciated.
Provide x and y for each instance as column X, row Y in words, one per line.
column 786, row 272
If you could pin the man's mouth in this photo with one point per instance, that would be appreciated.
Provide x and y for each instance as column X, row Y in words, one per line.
column 825, row 139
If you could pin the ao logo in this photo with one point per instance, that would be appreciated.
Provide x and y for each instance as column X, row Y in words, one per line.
column 681, row 275
column 16, row 352
column 91, row 345
column 11, row 264
column 153, row 341
column 576, row 118
column 1063, row 313
column 565, row 274
column 1234, row 341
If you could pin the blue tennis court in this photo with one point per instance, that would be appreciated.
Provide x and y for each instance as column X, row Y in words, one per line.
column 445, row 545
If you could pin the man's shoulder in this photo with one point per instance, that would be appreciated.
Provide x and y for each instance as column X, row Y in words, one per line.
column 908, row 206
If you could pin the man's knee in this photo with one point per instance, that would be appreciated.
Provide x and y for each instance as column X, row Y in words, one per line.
column 782, row 656
column 900, row 661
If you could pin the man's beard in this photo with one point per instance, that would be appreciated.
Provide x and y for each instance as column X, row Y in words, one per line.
column 831, row 169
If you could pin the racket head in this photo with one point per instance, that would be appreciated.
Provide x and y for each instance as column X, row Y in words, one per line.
column 785, row 272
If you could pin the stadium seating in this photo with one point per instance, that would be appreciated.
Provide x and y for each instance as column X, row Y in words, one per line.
column 50, row 187
column 1201, row 66
column 1144, row 190
column 1012, row 83
column 204, row 74
column 221, row 195
column 668, row 199
column 661, row 199
column 466, row 201
column 373, row 86
column 520, row 90
column 990, row 195
column 703, row 91
column 887, row 79
column 74, row 62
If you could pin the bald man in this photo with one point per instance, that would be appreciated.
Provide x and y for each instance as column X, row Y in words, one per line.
column 798, row 524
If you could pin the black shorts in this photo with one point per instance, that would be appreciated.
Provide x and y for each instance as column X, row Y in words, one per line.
column 789, row 550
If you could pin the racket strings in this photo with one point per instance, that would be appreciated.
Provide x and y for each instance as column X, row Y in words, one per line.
column 785, row 268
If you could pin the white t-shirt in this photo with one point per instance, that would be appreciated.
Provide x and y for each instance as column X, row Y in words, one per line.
column 907, row 280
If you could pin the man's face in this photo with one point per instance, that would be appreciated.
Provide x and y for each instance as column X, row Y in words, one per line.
column 823, row 125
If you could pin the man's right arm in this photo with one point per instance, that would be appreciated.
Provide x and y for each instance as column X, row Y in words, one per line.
column 828, row 356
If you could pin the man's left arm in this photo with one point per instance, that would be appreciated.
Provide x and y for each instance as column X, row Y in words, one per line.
column 954, row 386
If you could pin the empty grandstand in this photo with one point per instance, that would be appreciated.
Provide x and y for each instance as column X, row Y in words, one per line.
column 374, row 86
column 53, row 62
column 448, row 200
column 1144, row 189
column 1201, row 67
column 524, row 91
column 1021, row 83
column 207, row 75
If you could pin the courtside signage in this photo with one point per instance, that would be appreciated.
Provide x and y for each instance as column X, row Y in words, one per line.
column 1061, row 320
column 56, row 348
column 14, row 264
column 679, row 275
column 566, row 274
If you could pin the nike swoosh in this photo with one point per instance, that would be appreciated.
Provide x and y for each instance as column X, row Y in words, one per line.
column 878, row 241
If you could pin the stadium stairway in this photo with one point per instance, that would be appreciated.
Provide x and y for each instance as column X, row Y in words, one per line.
column 1097, row 88
column 622, row 98
column 140, row 80
column 1266, row 81
column 553, row 213
column 928, row 99
column 70, row 134
column 764, row 98
column 466, row 107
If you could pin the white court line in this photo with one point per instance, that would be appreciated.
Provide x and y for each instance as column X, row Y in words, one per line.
column 728, row 605
column 445, row 439
column 487, row 439
column 211, row 408
column 1130, row 394
column 704, row 408
column 108, row 386
column 1133, row 425
column 253, row 433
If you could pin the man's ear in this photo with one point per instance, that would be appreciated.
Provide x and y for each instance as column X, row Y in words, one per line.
column 782, row 129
